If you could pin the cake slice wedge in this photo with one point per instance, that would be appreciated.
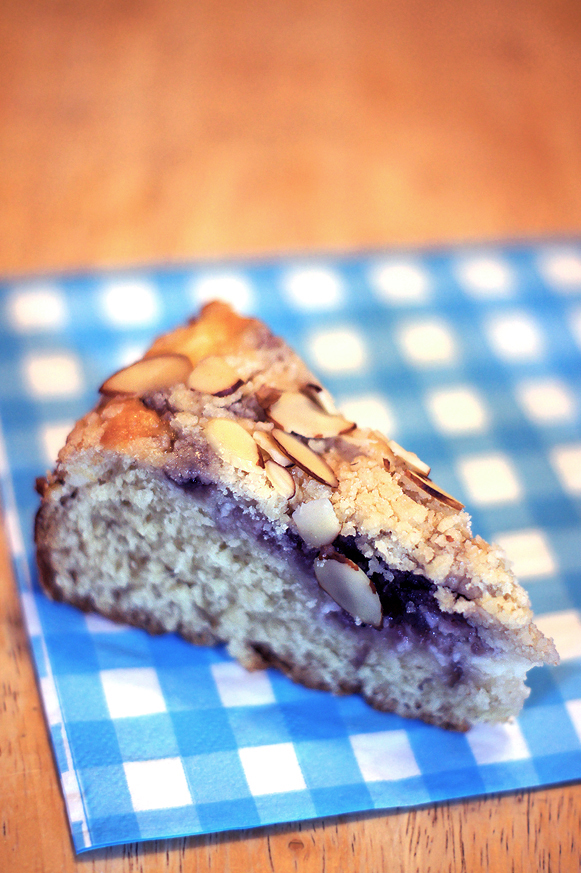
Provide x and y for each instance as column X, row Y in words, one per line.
column 215, row 491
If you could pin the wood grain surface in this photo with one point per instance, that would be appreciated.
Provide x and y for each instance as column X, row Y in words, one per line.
column 145, row 131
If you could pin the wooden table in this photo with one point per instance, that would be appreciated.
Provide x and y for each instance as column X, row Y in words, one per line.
column 146, row 130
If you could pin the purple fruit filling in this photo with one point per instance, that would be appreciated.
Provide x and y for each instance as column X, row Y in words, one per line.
column 408, row 603
column 409, row 606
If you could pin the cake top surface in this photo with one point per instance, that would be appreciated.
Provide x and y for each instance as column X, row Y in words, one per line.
column 223, row 400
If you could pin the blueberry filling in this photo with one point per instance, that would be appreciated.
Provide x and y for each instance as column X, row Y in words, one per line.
column 407, row 600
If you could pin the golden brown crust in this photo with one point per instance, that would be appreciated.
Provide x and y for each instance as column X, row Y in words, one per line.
column 129, row 420
column 217, row 330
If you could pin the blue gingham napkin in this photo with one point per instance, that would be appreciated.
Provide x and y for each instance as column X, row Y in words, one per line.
column 470, row 357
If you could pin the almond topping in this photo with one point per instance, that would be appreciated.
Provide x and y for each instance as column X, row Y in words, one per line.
column 296, row 413
column 385, row 444
column 316, row 522
column 214, row 375
column 280, row 479
column 148, row 374
column 410, row 459
column 266, row 395
column 268, row 445
column 435, row 491
column 321, row 397
column 350, row 587
column 305, row 457
column 233, row 444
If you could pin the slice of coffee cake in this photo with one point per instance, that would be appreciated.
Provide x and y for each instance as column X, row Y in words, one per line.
column 215, row 491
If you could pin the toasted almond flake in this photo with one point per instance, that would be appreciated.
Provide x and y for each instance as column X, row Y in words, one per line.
column 268, row 445
column 410, row 459
column 280, row 479
column 305, row 457
column 233, row 444
column 214, row 375
column 266, row 395
column 435, row 491
column 321, row 397
column 148, row 374
column 296, row 413
column 316, row 522
column 350, row 587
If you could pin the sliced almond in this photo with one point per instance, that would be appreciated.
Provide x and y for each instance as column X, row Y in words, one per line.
column 410, row 459
column 233, row 444
column 266, row 395
column 280, row 479
column 385, row 443
column 435, row 491
column 321, row 397
column 148, row 374
column 350, row 587
column 214, row 375
column 305, row 457
column 316, row 522
column 268, row 445
column 296, row 413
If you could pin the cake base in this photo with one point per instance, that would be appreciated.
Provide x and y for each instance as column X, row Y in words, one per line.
column 126, row 541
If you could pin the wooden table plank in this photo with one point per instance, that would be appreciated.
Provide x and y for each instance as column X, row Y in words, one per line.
column 145, row 131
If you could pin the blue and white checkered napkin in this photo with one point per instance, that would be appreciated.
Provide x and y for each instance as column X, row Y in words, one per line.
column 472, row 358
